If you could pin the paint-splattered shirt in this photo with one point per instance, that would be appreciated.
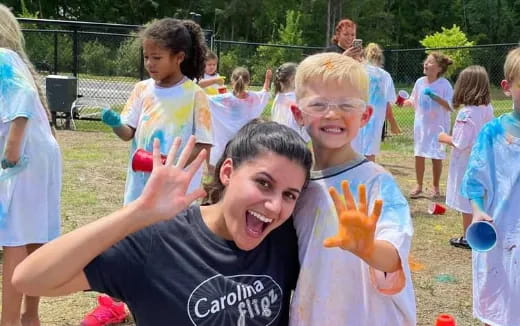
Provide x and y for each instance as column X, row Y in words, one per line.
column 430, row 117
column 230, row 113
column 336, row 287
column 468, row 123
column 381, row 91
column 164, row 113
column 494, row 174
column 281, row 113
column 30, row 191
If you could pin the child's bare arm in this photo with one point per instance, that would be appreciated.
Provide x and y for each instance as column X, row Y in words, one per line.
column 14, row 140
column 356, row 231
column 267, row 81
column 394, row 126
column 125, row 132
column 210, row 81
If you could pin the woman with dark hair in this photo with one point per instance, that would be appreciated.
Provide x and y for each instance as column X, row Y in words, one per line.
column 233, row 261
column 343, row 40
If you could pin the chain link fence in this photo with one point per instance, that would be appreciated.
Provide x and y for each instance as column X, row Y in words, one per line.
column 106, row 60
column 102, row 61
column 404, row 65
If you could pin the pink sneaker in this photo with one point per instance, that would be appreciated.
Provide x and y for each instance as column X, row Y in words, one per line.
column 108, row 312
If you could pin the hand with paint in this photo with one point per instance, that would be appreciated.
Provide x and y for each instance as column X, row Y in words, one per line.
column 478, row 211
column 164, row 195
column 356, row 231
column 428, row 92
column 6, row 164
column 111, row 118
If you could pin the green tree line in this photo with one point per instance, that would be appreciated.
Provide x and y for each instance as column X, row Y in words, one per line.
column 392, row 23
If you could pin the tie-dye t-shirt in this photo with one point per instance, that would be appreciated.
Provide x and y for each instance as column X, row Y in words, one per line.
column 281, row 113
column 381, row 91
column 335, row 287
column 164, row 113
column 230, row 113
column 494, row 174
column 30, row 191
column 430, row 117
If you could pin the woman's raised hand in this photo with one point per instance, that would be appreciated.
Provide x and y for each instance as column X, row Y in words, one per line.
column 164, row 195
column 356, row 230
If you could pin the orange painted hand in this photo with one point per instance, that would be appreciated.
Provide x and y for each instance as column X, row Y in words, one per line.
column 356, row 231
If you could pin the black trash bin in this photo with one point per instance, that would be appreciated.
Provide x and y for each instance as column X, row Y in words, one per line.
column 61, row 93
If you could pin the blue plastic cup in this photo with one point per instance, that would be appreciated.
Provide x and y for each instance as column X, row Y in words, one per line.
column 481, row 236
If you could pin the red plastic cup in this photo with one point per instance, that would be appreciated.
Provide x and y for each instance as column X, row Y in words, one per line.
column 142, row 161
column 222, row 90
column 436, row 209
column 402, row 96
column 445, row 320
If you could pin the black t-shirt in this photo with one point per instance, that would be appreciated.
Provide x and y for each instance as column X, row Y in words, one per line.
column 334, row 48
column 180, row 273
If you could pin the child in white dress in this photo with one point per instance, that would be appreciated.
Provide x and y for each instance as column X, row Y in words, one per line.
column 30, row 172
column 492, row 183
column 431, row 99
column 232, row 110
column 285, row 98
column 381, row 94
column 471, row 91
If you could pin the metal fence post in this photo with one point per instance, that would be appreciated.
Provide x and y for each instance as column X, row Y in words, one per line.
column 55, row 52
column 75, row 52
column 141, row 65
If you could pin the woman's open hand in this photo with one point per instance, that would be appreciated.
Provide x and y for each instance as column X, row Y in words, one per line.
column 164, row 195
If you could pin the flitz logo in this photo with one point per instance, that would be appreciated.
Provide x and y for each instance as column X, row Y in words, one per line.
column 253, row 300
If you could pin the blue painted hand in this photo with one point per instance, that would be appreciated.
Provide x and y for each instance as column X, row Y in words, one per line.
column 111, row 118
column 428, row 92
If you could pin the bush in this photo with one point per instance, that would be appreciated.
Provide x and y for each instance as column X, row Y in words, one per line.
column 95, row 58
column 451, row 37
column 129, row 57
column 268, row 57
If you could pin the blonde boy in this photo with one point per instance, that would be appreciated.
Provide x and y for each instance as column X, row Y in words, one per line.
column 355, row 271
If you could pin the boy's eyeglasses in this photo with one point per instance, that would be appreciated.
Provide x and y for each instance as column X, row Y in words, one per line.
column 318, row 108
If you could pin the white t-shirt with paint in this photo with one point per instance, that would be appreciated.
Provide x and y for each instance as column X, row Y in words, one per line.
column 230, row 113
column 336, row 287
column 468, row 123
column 381, row 91
column 281, row 113
column 430, row 117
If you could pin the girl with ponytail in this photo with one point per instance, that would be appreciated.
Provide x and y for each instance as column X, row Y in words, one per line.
column 231, row 111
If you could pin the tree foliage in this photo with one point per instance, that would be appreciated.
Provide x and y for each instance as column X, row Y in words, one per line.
column 450, row 37
column 396, row 24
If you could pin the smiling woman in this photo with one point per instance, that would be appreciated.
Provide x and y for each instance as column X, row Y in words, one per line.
column 232, row 261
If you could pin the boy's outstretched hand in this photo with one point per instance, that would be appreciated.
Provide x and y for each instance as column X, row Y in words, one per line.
column 356, row 231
